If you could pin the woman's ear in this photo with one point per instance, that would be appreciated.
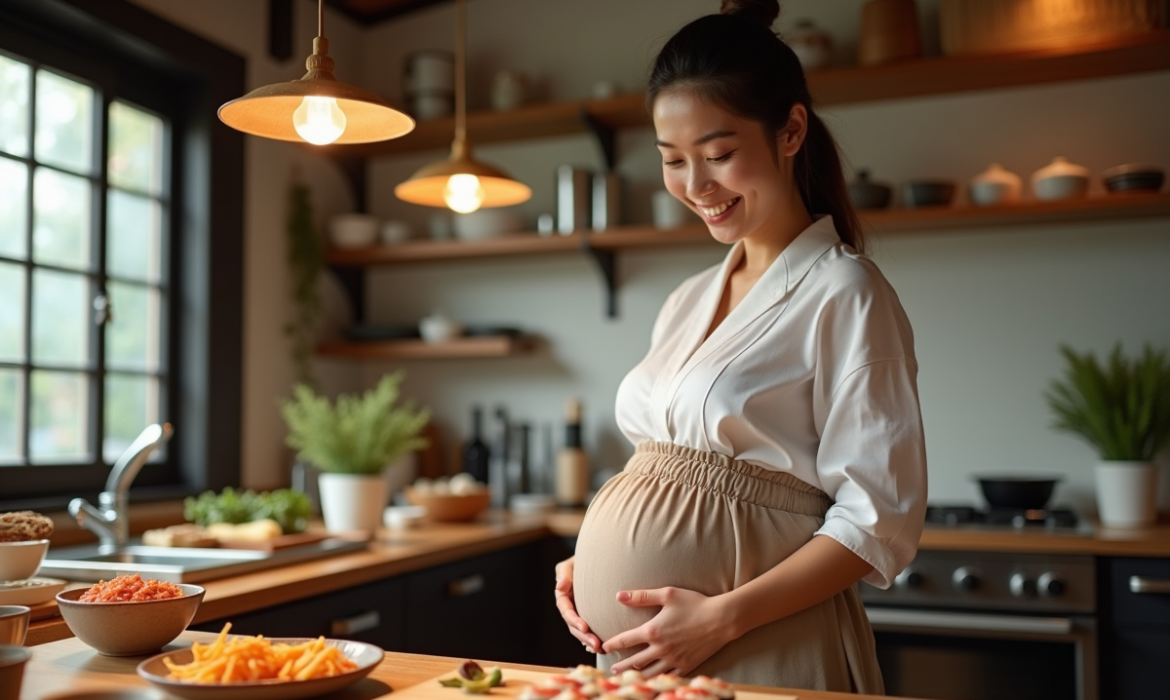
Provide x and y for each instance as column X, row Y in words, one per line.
column 791, row 137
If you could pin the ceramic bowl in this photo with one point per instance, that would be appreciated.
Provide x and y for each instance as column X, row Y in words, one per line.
column 1134, row 177
column 12, row 661
column 866, row 194
column 446, row 507
column 438, row 329
column 1056, row 187
column 353, row 230
column 928, row 193
column 20, row 560
column 487, row 223
column 131, row 628
column 13, row 624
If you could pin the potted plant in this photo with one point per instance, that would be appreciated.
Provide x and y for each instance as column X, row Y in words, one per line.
column 353, row 441
column 1122, row 409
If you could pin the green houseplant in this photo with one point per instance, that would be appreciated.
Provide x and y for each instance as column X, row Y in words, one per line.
column 353, row 441
column 1122, row 409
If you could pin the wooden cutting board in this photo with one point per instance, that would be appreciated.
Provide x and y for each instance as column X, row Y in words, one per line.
column 282, row 542
column 514, row 683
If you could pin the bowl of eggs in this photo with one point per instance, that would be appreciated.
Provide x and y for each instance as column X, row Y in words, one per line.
column 458, row 499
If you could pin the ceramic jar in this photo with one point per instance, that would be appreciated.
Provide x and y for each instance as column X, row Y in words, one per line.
column 812, row 45
column 866, row 194
column 437, row 328
column 927, row 193
column 1060, row 179
column 889, row 32
column 994, row 186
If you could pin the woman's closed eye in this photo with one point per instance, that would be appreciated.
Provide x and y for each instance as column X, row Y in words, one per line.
column 716, row 159
column 720, row 159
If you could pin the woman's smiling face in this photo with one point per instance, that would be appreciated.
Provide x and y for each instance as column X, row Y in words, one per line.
column 722, row 166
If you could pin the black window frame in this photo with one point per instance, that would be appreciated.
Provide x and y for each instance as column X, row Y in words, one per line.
column 166, row 69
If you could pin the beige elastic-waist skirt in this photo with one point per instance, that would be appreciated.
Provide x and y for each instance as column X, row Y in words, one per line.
column 701, row 521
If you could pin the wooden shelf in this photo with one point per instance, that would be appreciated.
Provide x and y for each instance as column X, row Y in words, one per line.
column 413, row 349
column 1148, row 51
column 881, row 222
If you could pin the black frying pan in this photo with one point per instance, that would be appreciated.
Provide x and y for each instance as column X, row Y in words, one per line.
column 1023, row 493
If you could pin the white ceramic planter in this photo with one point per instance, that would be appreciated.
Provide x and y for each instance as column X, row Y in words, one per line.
column 1126, row 493
column 352, row 501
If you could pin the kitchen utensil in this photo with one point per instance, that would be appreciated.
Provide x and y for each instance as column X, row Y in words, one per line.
column 483, row 224
column 353, row 230
column 508, row 90
column 607, row 200
column 20, row 560
column 573, row 190
column 32, row 591
column 1060, row 179
column 927, row 193
column 994, row 186
column 668, row 212
column 129, row 628
column 889, row 32
column 812, row 45
column 437, row 328
column 866, row 194
column 13, row 624
column 1134, row 177
column 1017, row 492
column 12, row 661
column 394, row 232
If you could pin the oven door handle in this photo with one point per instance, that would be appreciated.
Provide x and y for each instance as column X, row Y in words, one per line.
column 1141, row 584
column 966, row 621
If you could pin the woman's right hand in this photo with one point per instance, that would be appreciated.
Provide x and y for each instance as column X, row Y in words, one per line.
column 565, row 603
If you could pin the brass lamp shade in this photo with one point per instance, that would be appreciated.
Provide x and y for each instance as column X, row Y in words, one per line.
column 267, row 111
column 428, row 184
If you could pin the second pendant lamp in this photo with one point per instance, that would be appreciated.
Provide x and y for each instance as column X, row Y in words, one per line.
column 462, row 183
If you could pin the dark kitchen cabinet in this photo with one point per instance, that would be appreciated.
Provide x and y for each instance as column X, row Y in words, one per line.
column 1137, row 652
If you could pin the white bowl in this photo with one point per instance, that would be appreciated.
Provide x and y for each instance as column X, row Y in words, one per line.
column 353, row 230
column 1060, row 187
column 402, row 517
column 438, row 329
column 20, row 560
column 527, row 503
column 487, row 223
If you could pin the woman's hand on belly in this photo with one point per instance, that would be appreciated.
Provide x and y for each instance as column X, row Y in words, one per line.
column 566, row 604
column 687, row 631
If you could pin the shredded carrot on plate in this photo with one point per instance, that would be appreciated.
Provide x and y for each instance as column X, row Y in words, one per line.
column 245, row 658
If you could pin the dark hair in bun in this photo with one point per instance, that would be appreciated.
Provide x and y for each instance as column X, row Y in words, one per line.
column 734, row 60
column 763, row 11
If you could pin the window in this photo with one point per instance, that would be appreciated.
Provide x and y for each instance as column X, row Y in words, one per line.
column 120, row 252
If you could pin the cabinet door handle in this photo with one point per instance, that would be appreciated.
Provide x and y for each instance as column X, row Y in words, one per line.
column 356, row 624
column 1141, row 584
column 469, row 585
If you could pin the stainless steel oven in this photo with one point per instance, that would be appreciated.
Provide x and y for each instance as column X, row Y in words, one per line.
column 983, row 626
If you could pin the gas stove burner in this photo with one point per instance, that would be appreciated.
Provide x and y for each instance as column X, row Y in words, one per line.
column 959, row 515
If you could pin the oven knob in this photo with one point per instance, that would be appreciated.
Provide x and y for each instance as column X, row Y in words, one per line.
column 966, row 578
column 909, row 578
column 1022, row 585
column 1051, row 585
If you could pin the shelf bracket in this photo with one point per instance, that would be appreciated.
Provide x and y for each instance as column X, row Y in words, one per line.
column 606, row 138
column 607, row 263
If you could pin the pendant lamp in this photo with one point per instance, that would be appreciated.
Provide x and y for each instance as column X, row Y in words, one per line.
column 462, row 183
column 317, row 108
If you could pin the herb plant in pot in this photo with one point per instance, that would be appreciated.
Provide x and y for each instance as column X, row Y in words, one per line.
column 353, row 441
column 1122, row 409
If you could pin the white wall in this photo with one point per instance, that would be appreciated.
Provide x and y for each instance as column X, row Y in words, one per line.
column 989, row 307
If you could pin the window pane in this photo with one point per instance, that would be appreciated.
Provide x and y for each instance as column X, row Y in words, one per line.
column 11, row 313
column 61, row 232
column 133, row 233
column 13, row 207
column 60, row 403
column 60, row 319
column 135, row 149
column 14, row 82
column 132, row 336
column 131, row 404
column 64, row 122
column 10, row 411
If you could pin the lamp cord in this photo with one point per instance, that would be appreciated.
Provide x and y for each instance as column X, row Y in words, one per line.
column 320, row 17
column 460, row 72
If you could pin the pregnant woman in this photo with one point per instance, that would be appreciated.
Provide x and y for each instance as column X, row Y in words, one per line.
column 779, row 448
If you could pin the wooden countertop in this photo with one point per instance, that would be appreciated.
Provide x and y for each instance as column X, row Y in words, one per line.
column 396, row 552
column 69, row 666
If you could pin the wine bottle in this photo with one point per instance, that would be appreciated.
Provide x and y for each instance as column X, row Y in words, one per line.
column 476, row 454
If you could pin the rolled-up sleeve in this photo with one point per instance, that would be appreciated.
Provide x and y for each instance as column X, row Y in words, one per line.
column 872, row 463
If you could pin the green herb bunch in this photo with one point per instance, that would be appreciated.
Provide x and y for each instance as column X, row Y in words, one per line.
column 359, row 434
column 287, row 507
column 1122, row 408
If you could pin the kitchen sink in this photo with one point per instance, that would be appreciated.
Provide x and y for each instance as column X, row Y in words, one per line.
column 180, row 564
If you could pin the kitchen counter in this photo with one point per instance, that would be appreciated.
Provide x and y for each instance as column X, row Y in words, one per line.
column 403, row 551
column 69, row 666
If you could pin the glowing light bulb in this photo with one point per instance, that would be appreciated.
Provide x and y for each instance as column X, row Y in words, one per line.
column 319, row 120
column 463, row 193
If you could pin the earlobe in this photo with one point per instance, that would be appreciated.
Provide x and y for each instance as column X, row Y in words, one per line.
column 792, row 136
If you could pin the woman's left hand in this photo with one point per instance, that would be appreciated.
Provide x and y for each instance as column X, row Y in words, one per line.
column 687, row 631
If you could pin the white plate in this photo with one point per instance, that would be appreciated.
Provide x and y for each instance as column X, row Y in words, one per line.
column 366, row 656
column 32, row 591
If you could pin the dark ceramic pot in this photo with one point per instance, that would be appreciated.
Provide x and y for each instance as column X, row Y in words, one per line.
column 868, row 195
column 928, row 193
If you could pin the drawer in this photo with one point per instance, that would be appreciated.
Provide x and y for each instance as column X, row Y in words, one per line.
column 371, row 613
column 1141, row 609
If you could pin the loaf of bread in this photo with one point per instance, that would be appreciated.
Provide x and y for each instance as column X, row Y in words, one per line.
column 186, row 535
column 23, row 526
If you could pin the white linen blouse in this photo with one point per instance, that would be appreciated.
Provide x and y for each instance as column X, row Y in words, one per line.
column 813, row 373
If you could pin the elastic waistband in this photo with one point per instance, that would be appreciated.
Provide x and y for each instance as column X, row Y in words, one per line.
column 731, row 477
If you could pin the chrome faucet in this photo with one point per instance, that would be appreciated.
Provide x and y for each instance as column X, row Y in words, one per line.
column 110, row 521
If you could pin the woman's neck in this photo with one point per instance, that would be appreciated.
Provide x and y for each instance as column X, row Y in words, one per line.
column 761, row 248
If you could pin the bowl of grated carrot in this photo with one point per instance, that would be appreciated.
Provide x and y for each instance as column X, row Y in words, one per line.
column 129, row 615
column 242, row 667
